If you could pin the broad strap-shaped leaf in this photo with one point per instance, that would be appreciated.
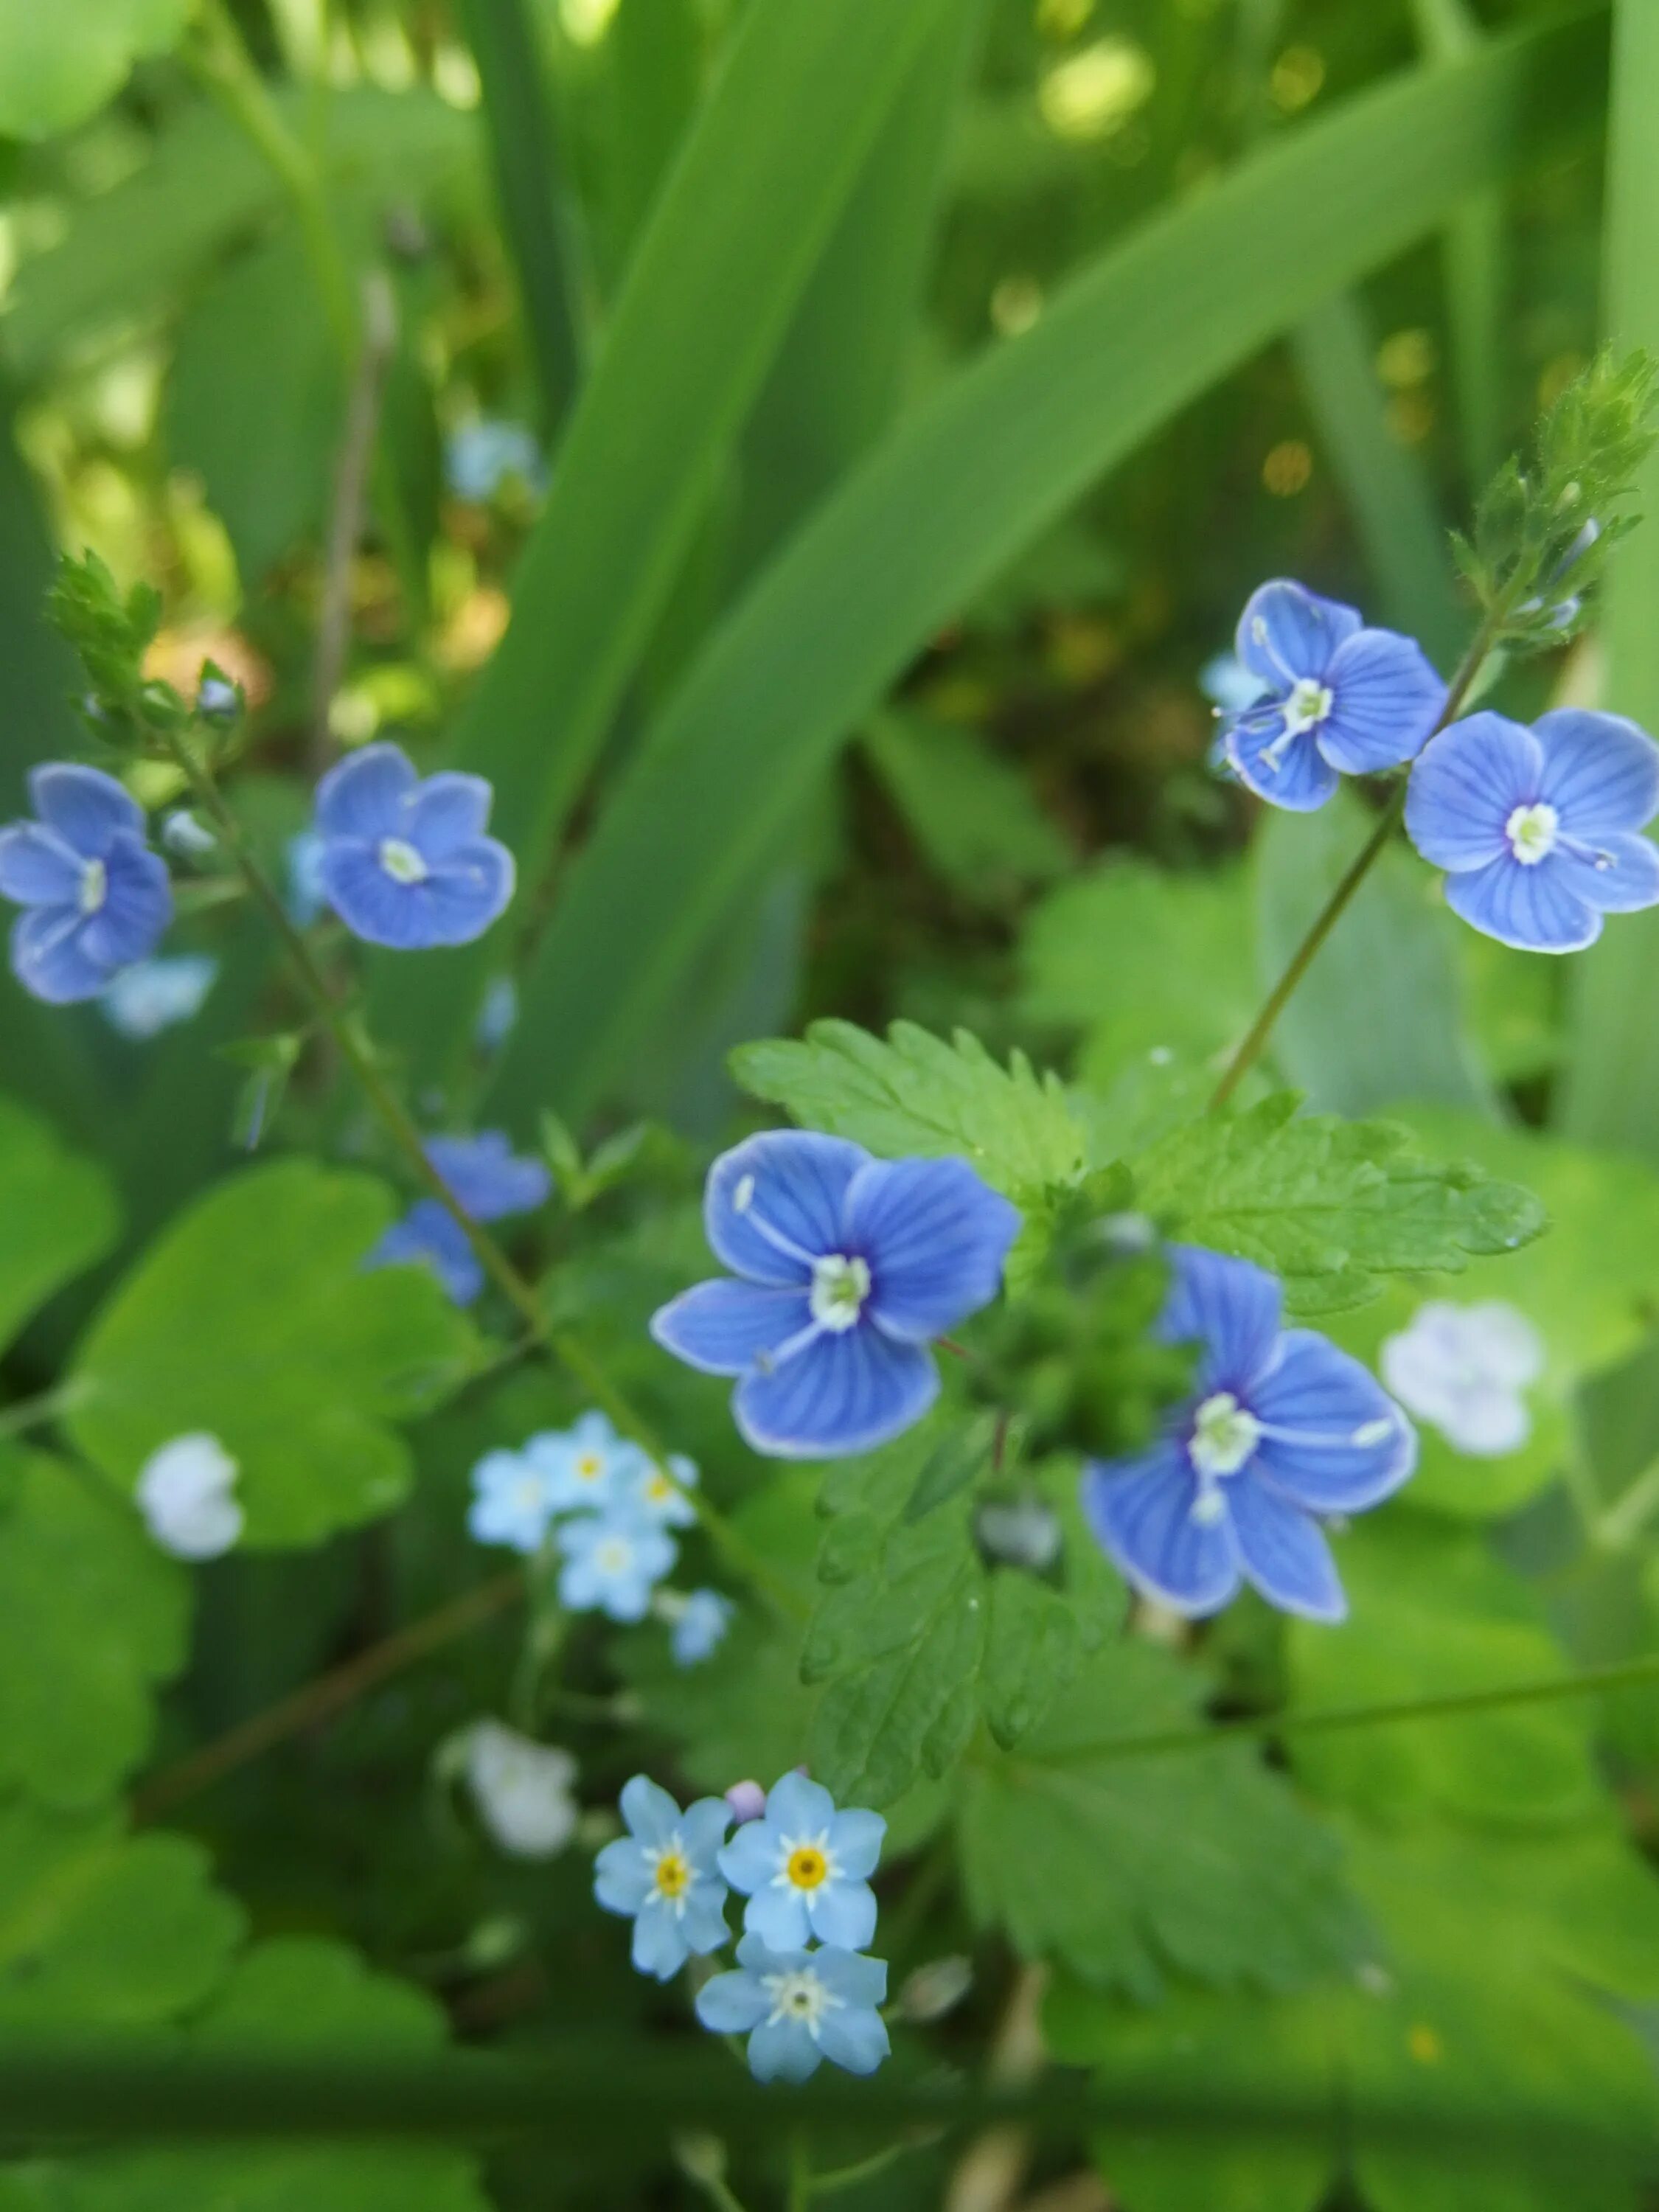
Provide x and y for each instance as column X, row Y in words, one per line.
column 58, row 1210
column 1330, row 1206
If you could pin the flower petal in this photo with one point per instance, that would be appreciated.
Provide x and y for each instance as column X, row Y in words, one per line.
column 1465, row 786
column 1537, row 908
column 935, row 1237
column 778, row 1917
column 718, row 1327
column 794, row 1182
column 797, row 1806
column 838, row 1394
column 1623, row 877
column 751, row 1859
column 37, row 868
column 733, row 2004
column 50, row 959
column 464, row 893
column 1330, row 1398
column 855, row 1980
column 1284, row 1553
column 702, row 1924
column 86, row 808
column 447, row 810
column 366, row 795
column 137, row 905
column 622, row 1876
column 1601, row 772
column 844, row 1913
column 487, row 1178
column 1141, row 1513
column 856, row 1839
column 703, row 1828
column 1385, row 700
column 650, row 1811
column 1230, row 1306
column 856, row 2038
column 1286, row 632
column 782, row 2050
column 1289, row 773
column 658, row 1947
column 428, row 1236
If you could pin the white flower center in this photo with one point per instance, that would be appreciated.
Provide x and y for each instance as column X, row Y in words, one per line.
column 1309, row 704
column 840, row 1284
column 94, row 886
column 1224, row 1434
column 800, row 1996
column 1533, row 832
column 401, row 861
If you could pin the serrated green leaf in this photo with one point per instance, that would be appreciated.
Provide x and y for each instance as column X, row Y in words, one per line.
column 1329, row 1206
column 59, row 1212
column 1033, row 1648
column 1124, row 1870
column 253, row 1317
column 91, row 1614
column 950, row 1468
column 1429, row 1604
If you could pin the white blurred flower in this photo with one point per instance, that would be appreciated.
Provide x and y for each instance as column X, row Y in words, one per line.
column 1465, row 1369
column 522, row 1790
column 152, row 995
column 185, row 1495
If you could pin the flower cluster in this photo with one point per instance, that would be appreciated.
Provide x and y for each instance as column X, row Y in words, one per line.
column 803, row 1989
column 608, row 1509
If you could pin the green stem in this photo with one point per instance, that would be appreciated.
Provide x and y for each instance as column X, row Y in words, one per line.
column 800, row 2174
column 1623, row 1519
column 35, row 1413
column 863, row 2169
column 1334, row 907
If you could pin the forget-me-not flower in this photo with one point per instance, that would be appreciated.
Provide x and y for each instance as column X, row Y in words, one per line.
column 489, row 1182
column 480, row 457
column 584, row 1465
column 697, row 1622
column 1466, row 1370
column 185, row 1493
column 1538, row 829
column 1340, row 698
column 521, row 1789
column 663, row 1875
column 152, row 995
column 798, row 2007
column 845, row 1269
column 612, row 1562
column 510, row 1502
column 406, row 862
column 805, row 1868
column 95, row 897
column 654, row 1495
column 1281, row 1429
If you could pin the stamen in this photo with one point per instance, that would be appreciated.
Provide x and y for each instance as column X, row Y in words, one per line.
column 743, row 1202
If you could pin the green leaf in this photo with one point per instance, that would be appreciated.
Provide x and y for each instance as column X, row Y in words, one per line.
column 1430, row 1605
column 101, row 1929
column 909, row 538
column 1033, row 1648
column 970, row 811
column 253, row 1317
column 1125, row 1870
column 1141, row 960
column 58, row 65
column 1329, row 1206
column 59, row 1213
column 949, row 1469
column 91, row 1614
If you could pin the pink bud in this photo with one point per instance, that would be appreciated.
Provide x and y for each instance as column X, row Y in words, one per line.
column 747, row 1801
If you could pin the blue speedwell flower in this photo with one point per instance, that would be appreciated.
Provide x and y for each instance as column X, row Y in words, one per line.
column 697, row 1623
column 95, row 897
column 805, row 1868
column 510, row 1501
column 613, row 1563
column 798, row 2007
column 1537, row 828
column 488, row 1181
column 1282, row 1428
column 662, row 1876
column 152, row 995
column 851, row 1266
column 1340, row 699
column 406, row 863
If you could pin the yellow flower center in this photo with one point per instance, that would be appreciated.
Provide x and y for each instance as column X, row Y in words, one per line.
column 589, row 1468
column 807, row 1866
column 673, row 1873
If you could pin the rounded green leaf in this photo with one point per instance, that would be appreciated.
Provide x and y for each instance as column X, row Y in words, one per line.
column 59, row 64
column 58, row 1209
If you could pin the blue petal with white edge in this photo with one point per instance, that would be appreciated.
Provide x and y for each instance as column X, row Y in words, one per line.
column 1601, row 772
column 1385, row 700
column 1141, row 1513
column 1622, row 879
column 1284, row 1553
column 50, row 960
column 841, row 1394
column 88, row 809
column 1537, row 909
column 1339, row 1443
column 366, row 794
column 1467, row 783
column 935, row 1236
column 722, row 1327
column 1287, row 632
column 37, row 868
column 1229, row 1308
column 789, row 1183
column 448, row 810
column 1287, row 771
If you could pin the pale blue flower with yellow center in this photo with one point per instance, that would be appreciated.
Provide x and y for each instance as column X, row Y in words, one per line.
column 664, row 1877
column 612, row 1562
column 805, row 1868
column 697, row 1623
column 798, row 2007
column 587, row 1466
column 510, row 1502
column 658, row 1493
column 95, row 897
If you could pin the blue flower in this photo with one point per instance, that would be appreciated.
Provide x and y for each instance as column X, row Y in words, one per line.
column 698, row 1625
column 406, row 862
column 798, row 2007
column 612, row 1562
column 646, row 1490
column 1537, row 828
column 96, row 897
column 584, row 1465
column 662, row 1876
column 1282, row 1428
column 1339, row 697
column 805, row 1868
column 152, row 995
column 510, row 1504
column 480, row 457
column 498, row 1014
column 308, row 893
column 488, row 1182
column 850, row 1267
